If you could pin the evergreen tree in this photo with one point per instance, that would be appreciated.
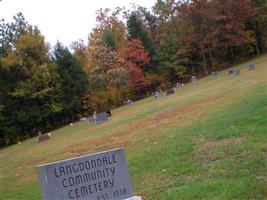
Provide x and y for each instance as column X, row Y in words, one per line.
column 172, row 59
column 73, row 82
column 136, row 30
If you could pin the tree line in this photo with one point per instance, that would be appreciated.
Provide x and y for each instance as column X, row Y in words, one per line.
column 128, row 55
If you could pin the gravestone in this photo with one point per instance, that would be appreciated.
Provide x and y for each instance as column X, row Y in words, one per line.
column 215, row 73
column 129, row 102
column 194, row 79
column 234, row 72
column 251, row 67
column 178, row 85
column 44, row 137
column 100, row 176
column 100, row 117
column 170, row 91
column 157, row 95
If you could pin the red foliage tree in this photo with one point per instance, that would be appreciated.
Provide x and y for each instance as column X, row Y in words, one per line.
column 136, row 58
column 230, row 21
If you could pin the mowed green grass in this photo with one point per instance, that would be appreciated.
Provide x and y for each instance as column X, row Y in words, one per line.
column 208, row 141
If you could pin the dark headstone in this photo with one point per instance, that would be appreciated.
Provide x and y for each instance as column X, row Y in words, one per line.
column 215, row 73
column 170, row 91
column 251, row 67
column 100, row 117
column 194, row 79
column 100, row 176
column 44, row 137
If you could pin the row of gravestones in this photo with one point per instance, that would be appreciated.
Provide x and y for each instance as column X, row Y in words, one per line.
column 100, row 117
column 236, row 72
column 169, row 91
column 233, row 72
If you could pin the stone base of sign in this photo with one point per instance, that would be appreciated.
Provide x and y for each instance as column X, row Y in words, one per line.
column 134, row 198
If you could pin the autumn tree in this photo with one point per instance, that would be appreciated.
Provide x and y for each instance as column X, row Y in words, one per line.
column 258, row 24
column 80, row 52
column 196, row 14
column 136, row 29
column 230, row 30
column 136, row 59
column 108, row 77
column 109, row 31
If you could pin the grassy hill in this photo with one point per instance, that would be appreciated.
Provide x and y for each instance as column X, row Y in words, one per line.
column 208, row 141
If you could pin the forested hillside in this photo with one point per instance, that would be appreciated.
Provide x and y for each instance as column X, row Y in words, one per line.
column 129, row 54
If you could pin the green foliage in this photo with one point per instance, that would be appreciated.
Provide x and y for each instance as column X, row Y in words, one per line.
column 171, row 60
column 137, row 30
column 10, row 33
column 72, row 79
column 108, row 39
column 30, row 95
column 259, row 24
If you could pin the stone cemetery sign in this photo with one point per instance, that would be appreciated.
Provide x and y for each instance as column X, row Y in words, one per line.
column 100, row 176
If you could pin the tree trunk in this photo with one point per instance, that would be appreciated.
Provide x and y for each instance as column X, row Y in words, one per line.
column 232, row 53
column 257, row 47
column 204, row 61
column 211, row 58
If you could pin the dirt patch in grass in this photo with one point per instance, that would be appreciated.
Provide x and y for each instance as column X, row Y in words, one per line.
column 207, row 151
column 151, row 184
column 204, row 145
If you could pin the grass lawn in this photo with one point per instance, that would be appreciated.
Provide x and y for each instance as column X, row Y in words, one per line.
column 208, row 141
